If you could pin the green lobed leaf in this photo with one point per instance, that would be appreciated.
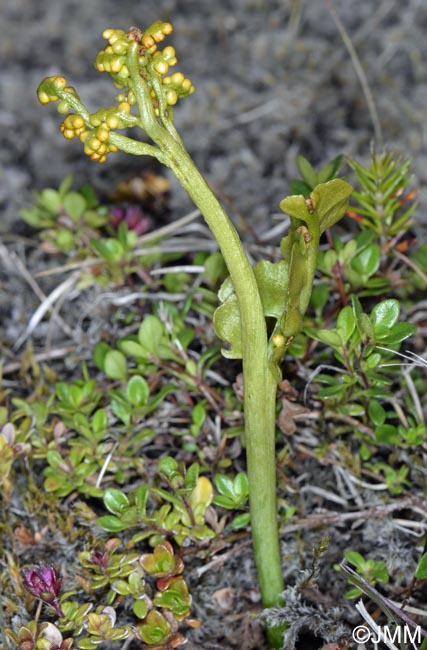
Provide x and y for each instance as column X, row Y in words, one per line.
column 241, row 485
column 162, row 562
column 56, row 461
column 367, row 261
column 297, row 186
column 131, row 348
column 319, row 296
column 385, row 314
column 111, row 523
column 376, row 413
column 121, row 587
column 332, row 391
column 99, row 421
column 366, row 327
column 227, row 325
column 65, row 240
column 108, row 248
column 233, row 491
column 185, row 336
column 327, row 261
column 137, row 390
column 224, row 485
column 50, row 199
column 89, row 196
column 421, row 570
column 115, row 365
column 331, row 201
column 95, row 218
column 141, row 497
column 298, row 346
column 329, row 337
column 373, row 360
column 191, row 476
column 346, row 323
column 329, row 171
column 215, row 268
column 88, row 643
column 356, row 559
column 37, row 218
column 240, row 521
column 62, row 390
column 175, row 597
column 198, row 415
column 168, row 466
column 349, row 250
column 387, row 434
column 396, row 334
column 307, row 172
column 226, row 290
column 150, row 334
column 201, row 497
column 65, row 186
column 129, row 516
column 121, row 409
column 75, row 205
column 140, row 608
column 272, row 281
column 155, row 628
column 224, row 502
column 76, row 395
column 100, row 353
column 115, row 501
column 296, row 207
column 363, row 323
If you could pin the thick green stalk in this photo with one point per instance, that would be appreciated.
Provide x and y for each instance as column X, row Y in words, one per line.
column 259, row 387
column 259, row 383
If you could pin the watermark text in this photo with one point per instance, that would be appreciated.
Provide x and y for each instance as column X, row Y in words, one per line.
column 384, row 633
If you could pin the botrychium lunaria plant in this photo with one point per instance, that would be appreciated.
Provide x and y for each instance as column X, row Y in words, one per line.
column 279, row 292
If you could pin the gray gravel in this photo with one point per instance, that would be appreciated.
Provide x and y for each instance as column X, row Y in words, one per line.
column 273, row 79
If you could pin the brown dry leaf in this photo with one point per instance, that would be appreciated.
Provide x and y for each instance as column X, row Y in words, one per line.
column 224, row 598
column 140, row 188
column 287, row 389
column 59, row 431
column 238, row 386
column 24, row 536
column 193, row 623
column 289, row 412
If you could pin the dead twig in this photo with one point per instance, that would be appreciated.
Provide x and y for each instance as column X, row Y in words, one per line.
column 15, row 265
column 360, row 74
column 326, row 518
column 45, row 306
column 58, row 353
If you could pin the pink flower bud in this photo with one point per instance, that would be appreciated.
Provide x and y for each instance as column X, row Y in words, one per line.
column 133, row 216
column 100, row 559
column 44, row 582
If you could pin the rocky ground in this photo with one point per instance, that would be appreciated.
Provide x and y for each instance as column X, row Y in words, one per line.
column 273, row 80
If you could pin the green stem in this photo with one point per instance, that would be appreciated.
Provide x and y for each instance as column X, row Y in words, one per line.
column 259, row 383
column 129, row 145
